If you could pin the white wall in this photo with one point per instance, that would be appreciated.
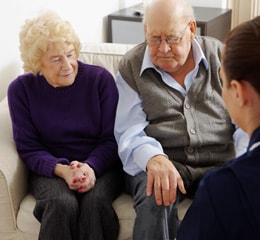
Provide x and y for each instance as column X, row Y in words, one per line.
column 209, row 3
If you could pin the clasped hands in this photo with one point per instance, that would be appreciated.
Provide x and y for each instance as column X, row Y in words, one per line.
column 83, row 177
column 79, row 176
column 164, row 179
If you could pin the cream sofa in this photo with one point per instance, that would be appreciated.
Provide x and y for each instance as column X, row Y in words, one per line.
column 16, row 204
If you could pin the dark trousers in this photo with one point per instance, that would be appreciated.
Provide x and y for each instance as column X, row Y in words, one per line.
column 151, row 219
column 67, row 215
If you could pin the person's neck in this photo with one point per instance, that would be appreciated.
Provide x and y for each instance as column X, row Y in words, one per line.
column 252, row 123
column 180, row 75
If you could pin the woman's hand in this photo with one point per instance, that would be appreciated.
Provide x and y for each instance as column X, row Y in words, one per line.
column 84, row 176
column 79, row 176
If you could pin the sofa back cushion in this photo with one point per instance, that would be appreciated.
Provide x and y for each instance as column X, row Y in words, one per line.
column 106, row 55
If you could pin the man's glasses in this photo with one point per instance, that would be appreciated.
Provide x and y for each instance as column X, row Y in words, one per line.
column 156, row 41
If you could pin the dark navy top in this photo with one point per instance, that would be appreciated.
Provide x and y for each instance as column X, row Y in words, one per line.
column 227, row 202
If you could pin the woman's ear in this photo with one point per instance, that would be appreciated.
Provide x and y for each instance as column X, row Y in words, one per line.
column 239, row 92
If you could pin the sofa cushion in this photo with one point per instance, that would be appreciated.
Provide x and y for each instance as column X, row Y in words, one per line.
column 123, row 206
column 106, row 55
column 26, row 222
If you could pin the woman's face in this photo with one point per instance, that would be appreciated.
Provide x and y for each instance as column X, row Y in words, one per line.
column 59, row 65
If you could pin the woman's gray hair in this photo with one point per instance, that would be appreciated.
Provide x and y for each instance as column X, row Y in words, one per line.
column 37, row 33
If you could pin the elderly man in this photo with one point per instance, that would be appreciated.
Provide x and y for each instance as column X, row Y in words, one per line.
column 171, row 123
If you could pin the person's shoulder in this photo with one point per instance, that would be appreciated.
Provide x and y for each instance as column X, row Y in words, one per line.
column 92, row 69
column 211, row 47
column 247, row 169
column 21, row 80
column 25, row 77
column 95, row 74
column 208, row 40
column 135, row 51
column 132, row 58
column 209, row 43
column 87, row 66
column 20, row 86
column 229, row 178
column 217, row 178
column 233, row 193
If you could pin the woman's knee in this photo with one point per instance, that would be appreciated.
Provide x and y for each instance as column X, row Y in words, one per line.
column 57, row 207
column 66, row 203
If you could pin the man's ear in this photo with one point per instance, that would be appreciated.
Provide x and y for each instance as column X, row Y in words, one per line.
column 145, row 29
column 193, row 28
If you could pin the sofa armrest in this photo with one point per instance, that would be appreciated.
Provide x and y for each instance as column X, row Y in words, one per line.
column 13, row 174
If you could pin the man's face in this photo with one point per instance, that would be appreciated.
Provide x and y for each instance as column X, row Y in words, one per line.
column 169, row 45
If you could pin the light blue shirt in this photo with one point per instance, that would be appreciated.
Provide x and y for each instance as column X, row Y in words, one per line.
column 135, row 147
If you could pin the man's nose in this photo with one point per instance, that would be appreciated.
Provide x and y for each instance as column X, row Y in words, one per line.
column 164, row 46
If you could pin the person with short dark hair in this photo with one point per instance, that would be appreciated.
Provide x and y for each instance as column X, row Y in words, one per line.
column 226, row 205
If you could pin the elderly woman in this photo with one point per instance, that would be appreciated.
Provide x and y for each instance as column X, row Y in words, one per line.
column 63, row 114
column 226, row 205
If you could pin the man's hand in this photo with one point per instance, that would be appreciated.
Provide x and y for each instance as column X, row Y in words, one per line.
column 164, row 179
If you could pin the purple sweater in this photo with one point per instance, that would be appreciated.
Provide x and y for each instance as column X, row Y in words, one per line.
column 58, row 125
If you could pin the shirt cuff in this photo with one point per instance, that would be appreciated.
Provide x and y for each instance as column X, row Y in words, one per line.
column 144, row 153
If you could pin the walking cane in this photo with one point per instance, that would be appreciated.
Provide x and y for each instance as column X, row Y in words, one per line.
column 165, row 224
